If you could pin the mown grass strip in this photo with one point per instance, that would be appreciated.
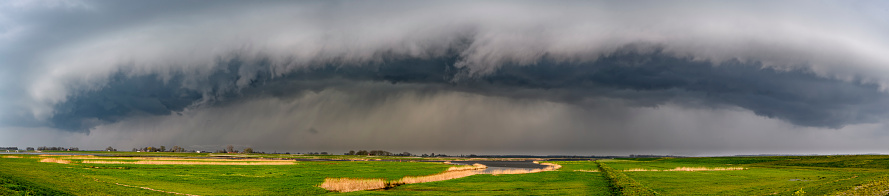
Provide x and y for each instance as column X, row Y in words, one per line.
column 623, row 184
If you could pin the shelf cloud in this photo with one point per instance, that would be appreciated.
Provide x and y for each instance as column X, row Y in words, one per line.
column 345, row 71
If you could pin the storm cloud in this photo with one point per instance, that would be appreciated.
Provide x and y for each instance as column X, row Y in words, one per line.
column 222, row 69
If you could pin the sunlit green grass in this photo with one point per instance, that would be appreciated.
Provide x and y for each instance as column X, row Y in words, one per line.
column 816, row 175
column 241, row 155
column 299, row 179
column 764, row 176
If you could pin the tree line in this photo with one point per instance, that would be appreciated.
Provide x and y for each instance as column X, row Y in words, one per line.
column 42, row 148
column 231, row 149
column 154, row 149
column 377, row 153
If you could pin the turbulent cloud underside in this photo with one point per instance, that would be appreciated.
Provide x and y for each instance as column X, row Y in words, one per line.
column 449, row 72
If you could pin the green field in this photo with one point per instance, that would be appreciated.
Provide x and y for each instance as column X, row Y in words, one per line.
column 807, row 175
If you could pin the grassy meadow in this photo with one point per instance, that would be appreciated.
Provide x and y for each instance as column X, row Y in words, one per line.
column 208, row 174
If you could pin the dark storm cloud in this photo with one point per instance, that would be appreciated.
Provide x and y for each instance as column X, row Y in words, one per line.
column 798, row 96
column 463, row 67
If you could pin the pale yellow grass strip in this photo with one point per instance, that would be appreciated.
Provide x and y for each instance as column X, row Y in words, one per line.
column 52, row 160
column 639, row 169
column 469, row 167
column 706, row 169
column 188, row 163
column 437, row 177
column 351, row 184
column 173, row 159
column 692, row 169
column 583, row 170
column 60, row 155
column 12, row 157
column 108, row 162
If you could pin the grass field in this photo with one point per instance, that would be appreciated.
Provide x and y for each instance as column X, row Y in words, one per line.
column 203, row 174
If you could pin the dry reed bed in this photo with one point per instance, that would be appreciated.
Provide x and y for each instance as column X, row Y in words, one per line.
column 436, row 177
column 692, row 169
column 189, row 162
column 353, row 184
column 62, row 155
column 54, row 160
column 469, row 167
column 360, row 184
column 173, row 159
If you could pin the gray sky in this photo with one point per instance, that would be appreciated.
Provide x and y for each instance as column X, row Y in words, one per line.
column 585, row 78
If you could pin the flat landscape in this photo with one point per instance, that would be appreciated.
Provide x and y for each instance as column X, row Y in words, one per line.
column 124, row 173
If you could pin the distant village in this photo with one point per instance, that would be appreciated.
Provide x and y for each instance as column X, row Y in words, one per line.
column 228, row 149
column 231, row 149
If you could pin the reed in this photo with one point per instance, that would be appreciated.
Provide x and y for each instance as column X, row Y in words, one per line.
column 639, row 170
column 706, row 169
column 349, row 185
column 188, row 162
column 172, row 159
column 436, row 177
column 54, row 160
column 353, row 184
column 691, row 169
column 471, row 167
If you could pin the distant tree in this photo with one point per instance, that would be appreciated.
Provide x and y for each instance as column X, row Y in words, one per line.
column 230, row 148
column 177, row 149
column 248, row 150
column 110, row 149
column 324, row 153
column 134, row 149
column 361, row 152
column 351, row 152
column 162, row 149
column 405, row 154
column 30, row 149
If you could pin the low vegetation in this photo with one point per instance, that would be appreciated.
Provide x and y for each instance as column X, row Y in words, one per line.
column 879, row 186
column 623, row 184
column 166, row 173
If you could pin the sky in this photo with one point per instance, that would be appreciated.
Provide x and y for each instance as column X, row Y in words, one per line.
column 685, row 78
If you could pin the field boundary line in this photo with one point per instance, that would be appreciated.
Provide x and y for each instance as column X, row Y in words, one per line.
column 622, row 184
column 142, row 187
